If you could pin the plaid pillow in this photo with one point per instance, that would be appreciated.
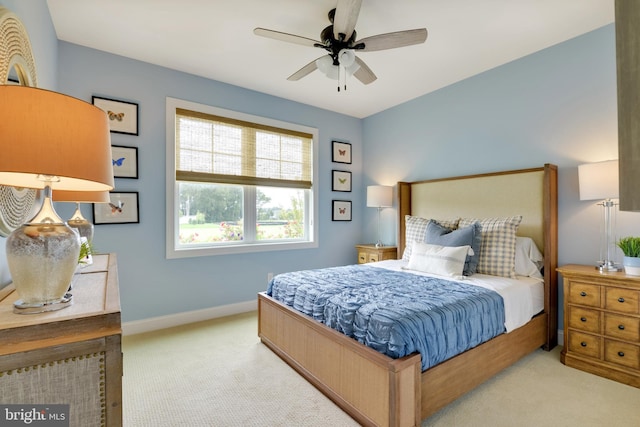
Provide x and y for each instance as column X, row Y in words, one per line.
column 415, row 229
column 498, row 245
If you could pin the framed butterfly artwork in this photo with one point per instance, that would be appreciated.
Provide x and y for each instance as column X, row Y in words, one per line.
column 122, row 115
column 341, row 210
column 125, row 161
column 122, row 209
column 341, row 152
column 341, row 181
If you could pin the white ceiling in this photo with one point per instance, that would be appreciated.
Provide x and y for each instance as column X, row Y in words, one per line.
column 214, row 39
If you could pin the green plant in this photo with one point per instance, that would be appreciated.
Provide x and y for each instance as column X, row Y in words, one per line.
column 630, row 246
column 85, row 250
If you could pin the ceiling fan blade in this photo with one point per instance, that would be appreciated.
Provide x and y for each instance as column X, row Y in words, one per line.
column 307, row 69
column 364, row 73
column 285, row 37
column 393, row 40
column 345, row 19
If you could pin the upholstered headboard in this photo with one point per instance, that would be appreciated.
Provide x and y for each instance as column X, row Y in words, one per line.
column 531, row 193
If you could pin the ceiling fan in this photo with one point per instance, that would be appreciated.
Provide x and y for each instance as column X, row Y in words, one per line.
column 339, row 40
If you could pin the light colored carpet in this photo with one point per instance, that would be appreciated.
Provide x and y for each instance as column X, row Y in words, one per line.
column 217, row 373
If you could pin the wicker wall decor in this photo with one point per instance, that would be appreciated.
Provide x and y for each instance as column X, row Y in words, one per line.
column 17, row 66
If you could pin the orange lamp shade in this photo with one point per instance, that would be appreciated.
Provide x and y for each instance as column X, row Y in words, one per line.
column 48, row 133
column 81, row 196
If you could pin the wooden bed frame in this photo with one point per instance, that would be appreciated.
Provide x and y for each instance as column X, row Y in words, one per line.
column 378, row 390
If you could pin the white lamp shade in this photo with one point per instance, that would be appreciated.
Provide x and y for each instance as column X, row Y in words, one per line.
column 326, row 67
column 379, row 196
column 598, row 181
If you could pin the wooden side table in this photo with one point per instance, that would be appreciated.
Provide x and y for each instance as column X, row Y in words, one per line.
column 602, row 323
column 70, row 356
column 369, row 253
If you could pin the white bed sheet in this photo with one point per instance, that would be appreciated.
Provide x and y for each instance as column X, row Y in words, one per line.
column 523, row 297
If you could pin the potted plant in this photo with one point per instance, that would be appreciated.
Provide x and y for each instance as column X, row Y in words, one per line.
column 630, row 247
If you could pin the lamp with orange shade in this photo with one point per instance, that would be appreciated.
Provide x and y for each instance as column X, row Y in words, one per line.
column 77, row 220
column 49, row 141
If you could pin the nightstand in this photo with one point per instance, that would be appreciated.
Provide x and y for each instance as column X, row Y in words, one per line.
column 602, row 323
column 369, row 253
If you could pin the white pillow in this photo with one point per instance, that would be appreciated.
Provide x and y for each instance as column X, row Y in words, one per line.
column 416, row 227
column 440, row 260
column 529, row 259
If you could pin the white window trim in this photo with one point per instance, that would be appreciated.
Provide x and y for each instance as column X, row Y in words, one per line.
column 172, row 189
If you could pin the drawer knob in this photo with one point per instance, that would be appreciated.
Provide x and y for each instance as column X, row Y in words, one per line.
column 620, row 299
column 621, row 353
column 583, row 294
column 583, row 319
column 621, row 327
column 583, row 344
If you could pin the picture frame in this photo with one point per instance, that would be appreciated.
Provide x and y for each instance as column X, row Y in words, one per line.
column 341, row 181
column 122, row 209
column 123, row 115
column 125, row 161
column 341, row 152
column 341, row 210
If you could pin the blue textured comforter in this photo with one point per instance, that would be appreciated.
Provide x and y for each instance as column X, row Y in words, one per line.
column 396, row 313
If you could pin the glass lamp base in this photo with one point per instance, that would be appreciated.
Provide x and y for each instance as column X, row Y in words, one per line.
column 20, row 307
column 42, row 259
column 608, row 266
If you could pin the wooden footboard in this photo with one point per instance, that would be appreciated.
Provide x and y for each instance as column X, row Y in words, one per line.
column 371, row 387
column 377, row 390
column 444, row 383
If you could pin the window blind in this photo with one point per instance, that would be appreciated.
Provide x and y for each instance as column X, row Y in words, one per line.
column 216, row 149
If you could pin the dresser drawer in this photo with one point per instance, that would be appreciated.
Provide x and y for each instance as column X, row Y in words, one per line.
column 584, row 294
column 623, row 327
column 584, row 319
column 584, row 344
column 622, row 300
column 622, row 353
column 365, row 257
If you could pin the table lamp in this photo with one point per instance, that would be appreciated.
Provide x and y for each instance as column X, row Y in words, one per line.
column 77, row 220
column 599, row 181
column 379, row 196
column 49, row 141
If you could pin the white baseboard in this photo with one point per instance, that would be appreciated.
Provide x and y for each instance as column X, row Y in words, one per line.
column 163, row 322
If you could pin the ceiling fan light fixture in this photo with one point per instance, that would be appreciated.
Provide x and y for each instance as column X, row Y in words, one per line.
column 326, row 67
column 346, row 57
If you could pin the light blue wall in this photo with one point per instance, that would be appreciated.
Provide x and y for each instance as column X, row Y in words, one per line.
column 34, row 15
column 151, row 285
column 555, row 106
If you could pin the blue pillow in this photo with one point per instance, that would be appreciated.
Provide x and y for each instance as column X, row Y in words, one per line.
column 470, row 235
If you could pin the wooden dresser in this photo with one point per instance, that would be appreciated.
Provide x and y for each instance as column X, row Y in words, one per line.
column 71, row 356
column 369, row 253
column 602, row 323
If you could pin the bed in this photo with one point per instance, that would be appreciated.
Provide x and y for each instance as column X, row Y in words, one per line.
column 376, row 389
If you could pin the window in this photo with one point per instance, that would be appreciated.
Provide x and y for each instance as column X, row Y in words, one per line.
column 240, row 183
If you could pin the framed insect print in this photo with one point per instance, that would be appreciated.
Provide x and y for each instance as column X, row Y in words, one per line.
column 341, row 210
column 341, row 152
column 341, row 181
column 125, row 161
column 123, row 115
column 121, row 209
